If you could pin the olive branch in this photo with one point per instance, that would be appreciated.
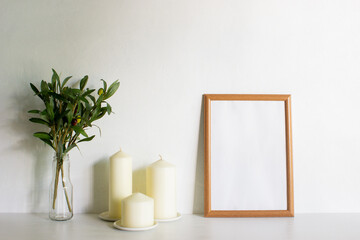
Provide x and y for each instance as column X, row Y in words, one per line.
column 68, row 112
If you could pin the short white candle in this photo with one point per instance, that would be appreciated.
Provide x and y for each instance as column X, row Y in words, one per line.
column 120, row 182
column 137, row 211
column 161, row 185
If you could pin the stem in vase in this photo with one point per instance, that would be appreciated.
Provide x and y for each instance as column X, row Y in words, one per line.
column 59, row 167
column 56, row 182
column 66, row 194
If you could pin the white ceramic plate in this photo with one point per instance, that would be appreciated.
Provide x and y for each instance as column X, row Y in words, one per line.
column 118, row 226
column 105, row 216
column 169, row 219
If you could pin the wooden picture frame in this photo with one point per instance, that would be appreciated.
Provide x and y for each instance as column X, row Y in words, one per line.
column 254, row 105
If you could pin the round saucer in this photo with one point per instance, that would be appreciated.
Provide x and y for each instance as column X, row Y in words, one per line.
column 118, row 226
column 105, row 216
column 178, row 216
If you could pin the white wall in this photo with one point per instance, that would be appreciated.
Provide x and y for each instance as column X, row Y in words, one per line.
column 166, row 55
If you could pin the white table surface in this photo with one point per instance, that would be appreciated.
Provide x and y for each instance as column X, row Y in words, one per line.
column 88, row 226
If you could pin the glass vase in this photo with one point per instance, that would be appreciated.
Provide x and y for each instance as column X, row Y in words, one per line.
column 61, row 189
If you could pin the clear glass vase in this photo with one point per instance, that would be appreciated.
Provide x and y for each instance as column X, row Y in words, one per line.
column 61, row 189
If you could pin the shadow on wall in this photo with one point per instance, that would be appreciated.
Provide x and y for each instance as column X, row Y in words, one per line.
column 32, row 149
column 198, row 206
column 100, row 186
column 139, row 180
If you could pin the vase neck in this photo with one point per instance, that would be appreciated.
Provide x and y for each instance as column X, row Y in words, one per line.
column 60, row 157
column 61, row 164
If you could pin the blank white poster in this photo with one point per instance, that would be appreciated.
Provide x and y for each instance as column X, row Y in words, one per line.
column 248, row 155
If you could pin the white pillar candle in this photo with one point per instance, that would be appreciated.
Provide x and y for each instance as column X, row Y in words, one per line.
column 120, row 182
column 137, row 211
column 161, row 185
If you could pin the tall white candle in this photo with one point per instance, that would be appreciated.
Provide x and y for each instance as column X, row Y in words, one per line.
column 161, row 185
column 120, row 182
column 137, row 211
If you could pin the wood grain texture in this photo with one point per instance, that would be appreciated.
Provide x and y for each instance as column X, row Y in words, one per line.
column 208, row 212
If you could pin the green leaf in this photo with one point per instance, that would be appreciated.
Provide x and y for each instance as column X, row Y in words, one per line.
column 80, row 109
column 100, row 99
column 69, row 114
column 86, row 114
column 42, row 135
column 48, row 142
column 71, row 147
column 83, row 82
column 86, row 139
column 74, row 92
column 112, row 89
column 36, row 91
column 59, row 123
column 55, row 79
column 108, row 108
column 95, row 113
column 88, row 92
column 65, row 81
column 79, row 130
column 34, row 111
column 88, row 107
column 69, row 96
column 101, row 114
column 50, row 110
column 44, row 86
column 58, row 97
column 44, row 113
column 39, row 120
column 98, row 129
column 84, row 99
column 105, row 85
column 92, row 98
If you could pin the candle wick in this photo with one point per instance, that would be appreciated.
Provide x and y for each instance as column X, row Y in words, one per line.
column 160, row 157
column 120, row 149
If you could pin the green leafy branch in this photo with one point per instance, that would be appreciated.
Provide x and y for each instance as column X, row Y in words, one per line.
column 68, row 112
